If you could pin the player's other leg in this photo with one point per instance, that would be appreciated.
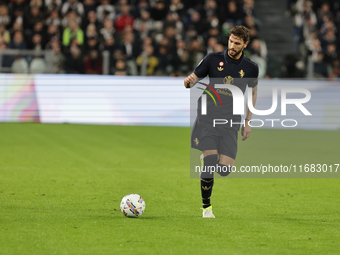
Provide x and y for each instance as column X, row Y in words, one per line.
column 227, row 149
column 225, row 165
column 207, row 180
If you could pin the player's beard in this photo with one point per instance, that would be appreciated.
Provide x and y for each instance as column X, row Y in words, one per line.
column 235, row 53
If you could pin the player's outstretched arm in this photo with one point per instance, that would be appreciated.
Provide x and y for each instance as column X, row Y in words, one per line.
column 190, row 81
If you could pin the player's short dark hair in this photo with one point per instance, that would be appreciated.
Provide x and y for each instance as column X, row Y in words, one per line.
column 241, row 32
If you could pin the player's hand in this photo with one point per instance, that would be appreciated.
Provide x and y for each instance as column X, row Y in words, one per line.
column 190, row 81
column 245, row 131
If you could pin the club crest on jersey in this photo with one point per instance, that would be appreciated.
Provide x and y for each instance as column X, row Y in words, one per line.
column 228, row 80
column 220, row 68
column 241, row 73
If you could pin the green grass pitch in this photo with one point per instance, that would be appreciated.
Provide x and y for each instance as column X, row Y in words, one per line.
column 61, row 185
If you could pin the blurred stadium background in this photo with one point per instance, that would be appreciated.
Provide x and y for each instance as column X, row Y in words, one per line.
column 47, row 45
column 289, row 38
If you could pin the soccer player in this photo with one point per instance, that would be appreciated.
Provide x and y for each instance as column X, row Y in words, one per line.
column 219, row 143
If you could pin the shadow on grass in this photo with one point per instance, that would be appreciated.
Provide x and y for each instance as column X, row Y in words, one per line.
column 156, row 217
column 117, row 217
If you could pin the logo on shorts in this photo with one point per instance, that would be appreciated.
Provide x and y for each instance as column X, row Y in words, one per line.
column 196, row 141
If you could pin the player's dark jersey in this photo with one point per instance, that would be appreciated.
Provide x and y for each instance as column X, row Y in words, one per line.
column 222, row 69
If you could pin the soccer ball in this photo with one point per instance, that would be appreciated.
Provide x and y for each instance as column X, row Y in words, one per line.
column 132, row 205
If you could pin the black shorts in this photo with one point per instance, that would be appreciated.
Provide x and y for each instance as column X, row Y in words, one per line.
column 206, row 137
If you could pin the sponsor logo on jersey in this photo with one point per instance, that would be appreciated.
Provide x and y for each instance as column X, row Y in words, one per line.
column 228, row 80
column 220, row 68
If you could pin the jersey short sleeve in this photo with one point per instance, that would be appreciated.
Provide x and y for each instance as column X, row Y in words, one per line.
column 202, row 68
column 255, row 77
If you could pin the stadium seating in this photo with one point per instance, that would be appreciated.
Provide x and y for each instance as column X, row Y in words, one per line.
column 20, row 66
column 175, row 31
column 37, row 65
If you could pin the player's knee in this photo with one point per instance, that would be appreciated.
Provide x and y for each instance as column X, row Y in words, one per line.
column 224, row 170
column 211, row 160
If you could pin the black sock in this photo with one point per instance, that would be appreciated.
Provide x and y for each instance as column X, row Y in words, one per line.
column 207, row 179
column 206, row 189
